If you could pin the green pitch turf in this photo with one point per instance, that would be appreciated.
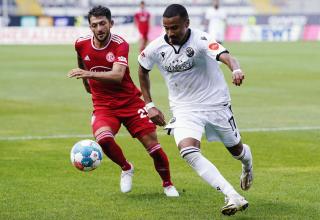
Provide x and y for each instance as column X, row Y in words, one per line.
column 38, row 102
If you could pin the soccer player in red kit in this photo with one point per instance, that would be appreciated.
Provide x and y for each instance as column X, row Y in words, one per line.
column 103, row 67
column 141, row 20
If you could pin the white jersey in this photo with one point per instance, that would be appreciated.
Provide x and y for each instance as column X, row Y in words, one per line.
column 191, row 71
column 216, row 26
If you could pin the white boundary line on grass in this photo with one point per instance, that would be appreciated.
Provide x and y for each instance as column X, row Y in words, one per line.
column 65, row 136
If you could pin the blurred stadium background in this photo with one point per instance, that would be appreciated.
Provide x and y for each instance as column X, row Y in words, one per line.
column 61, row 21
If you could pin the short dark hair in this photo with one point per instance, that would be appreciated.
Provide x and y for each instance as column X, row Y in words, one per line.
column 175, row 10
column 99, row 11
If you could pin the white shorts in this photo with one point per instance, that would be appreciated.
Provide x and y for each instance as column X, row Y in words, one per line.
column 218, row 125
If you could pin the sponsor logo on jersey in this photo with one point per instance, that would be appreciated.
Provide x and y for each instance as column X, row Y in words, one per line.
column 214, row 46
column 87, row 58
column 110, row 57
column 100, row 68
column 122, row 59
column 190, row 52
column 203, row 38
column 179, row 67
column 143, row 55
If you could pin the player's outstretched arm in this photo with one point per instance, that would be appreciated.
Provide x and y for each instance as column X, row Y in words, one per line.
column 233, row 64
column 115, row 75
column 154, row 114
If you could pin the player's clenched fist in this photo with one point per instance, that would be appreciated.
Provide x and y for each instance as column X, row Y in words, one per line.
column 156, row 116
column 237, row 77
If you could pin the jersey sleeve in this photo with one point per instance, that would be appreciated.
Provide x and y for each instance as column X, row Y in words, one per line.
column 76, row 46
column 121, row 55
column 147, row 57
column 213, row 49
column 79, row 43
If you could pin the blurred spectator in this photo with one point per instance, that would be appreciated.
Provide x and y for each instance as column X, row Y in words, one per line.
column 142, row 20
column 215, row 21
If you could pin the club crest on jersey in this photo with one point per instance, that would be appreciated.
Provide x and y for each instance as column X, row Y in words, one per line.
column 110, row 57
column 190, row 52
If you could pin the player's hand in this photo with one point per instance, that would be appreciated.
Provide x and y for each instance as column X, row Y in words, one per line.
column 237, row 77
column 79, row 74
column 156, row 116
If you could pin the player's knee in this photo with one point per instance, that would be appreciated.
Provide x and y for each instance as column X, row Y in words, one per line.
column 235, row 150
column 190, row 154
column 105, row 138
column 152, row 148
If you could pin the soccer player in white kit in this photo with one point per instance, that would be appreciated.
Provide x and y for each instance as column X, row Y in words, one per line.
column 215, row 19
column 199, row 99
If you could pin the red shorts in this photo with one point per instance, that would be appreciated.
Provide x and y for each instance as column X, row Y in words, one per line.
column 144, row 36
column 144, row 33
column 133, row 117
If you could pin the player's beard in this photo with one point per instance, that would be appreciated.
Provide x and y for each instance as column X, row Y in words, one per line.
column 174, row 41
column 101, row 37
column 178, row 39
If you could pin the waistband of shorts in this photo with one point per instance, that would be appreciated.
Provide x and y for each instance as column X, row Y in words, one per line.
column 199, row 108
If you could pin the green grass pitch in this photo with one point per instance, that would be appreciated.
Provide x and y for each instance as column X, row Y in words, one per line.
column 37, row 180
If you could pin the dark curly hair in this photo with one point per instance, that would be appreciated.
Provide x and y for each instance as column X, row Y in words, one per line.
column 99, row 11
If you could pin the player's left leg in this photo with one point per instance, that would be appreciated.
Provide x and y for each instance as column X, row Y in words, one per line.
column 139, row 126
column 160, row 160
column 242, row 152
column 223, row 127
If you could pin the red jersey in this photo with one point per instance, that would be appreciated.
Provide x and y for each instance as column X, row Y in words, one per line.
column 107, row 95
column 142, row 18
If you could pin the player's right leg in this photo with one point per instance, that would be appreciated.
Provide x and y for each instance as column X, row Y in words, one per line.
column 190, row 151
column 234, row 204
column 104, row 129
column 188, row 129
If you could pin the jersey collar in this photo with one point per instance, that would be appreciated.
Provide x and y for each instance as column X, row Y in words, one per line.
column 109, row 40
column 185, row 40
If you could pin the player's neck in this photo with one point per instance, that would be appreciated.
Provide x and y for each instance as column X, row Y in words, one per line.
column 185, row 37
column 101, row 44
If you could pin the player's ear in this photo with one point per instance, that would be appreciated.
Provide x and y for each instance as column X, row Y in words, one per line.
column 111, row 22
column 187, row 23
